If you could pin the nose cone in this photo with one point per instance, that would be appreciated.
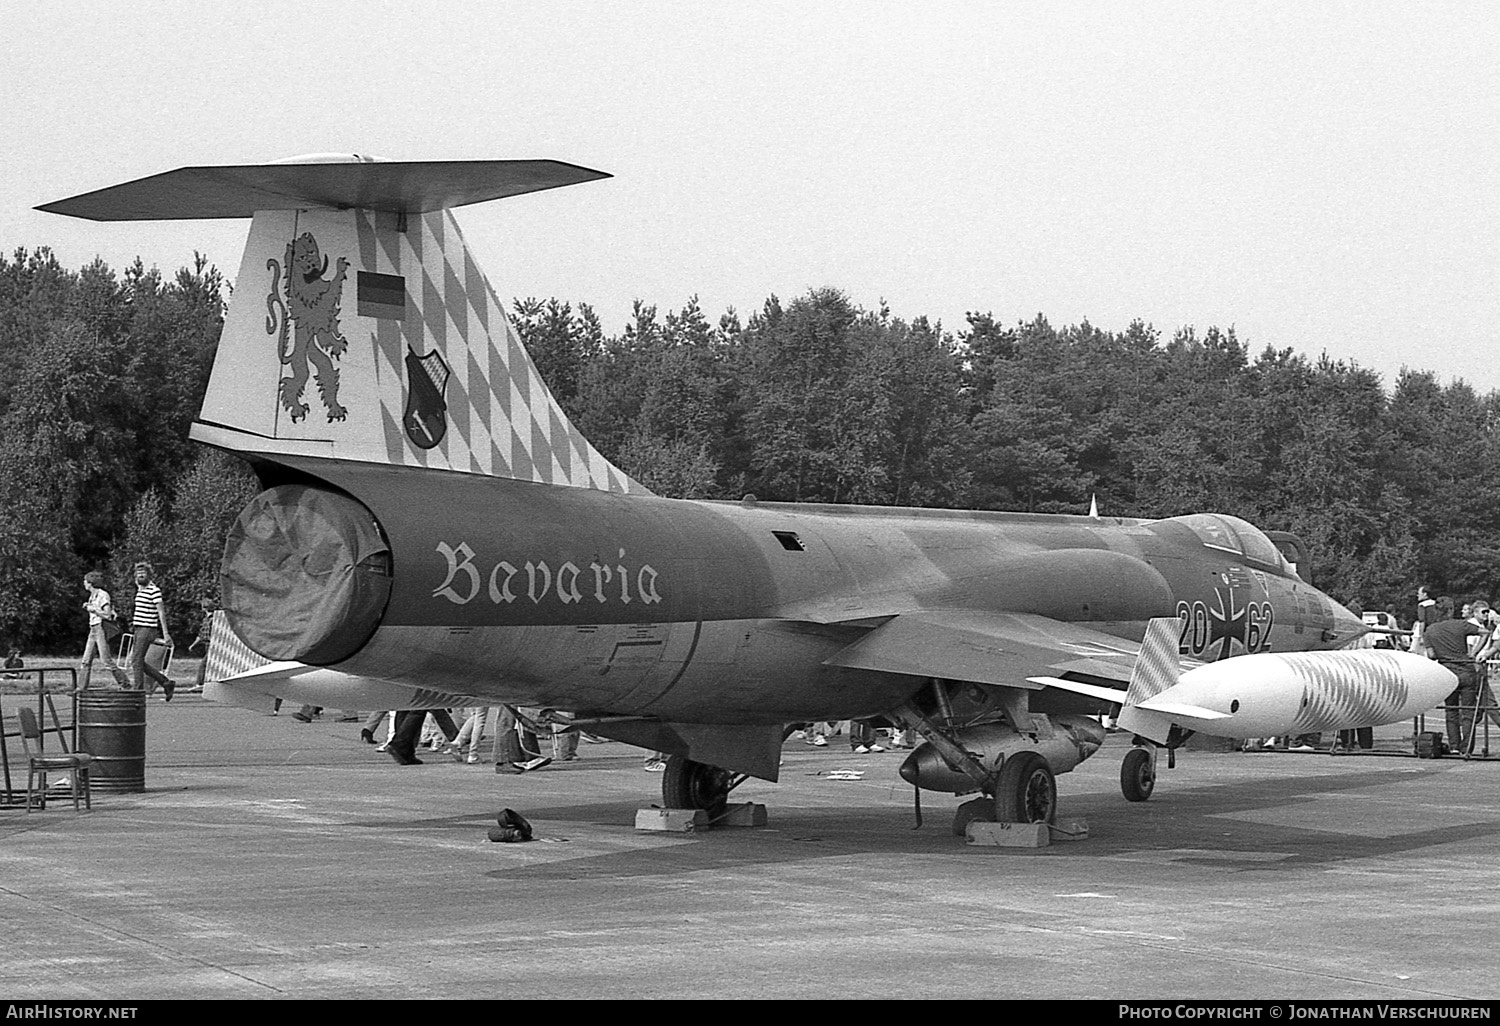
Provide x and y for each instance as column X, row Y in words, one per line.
column 1346, row 626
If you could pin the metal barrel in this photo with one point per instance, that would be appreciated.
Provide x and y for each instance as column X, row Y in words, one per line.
column 112, row 728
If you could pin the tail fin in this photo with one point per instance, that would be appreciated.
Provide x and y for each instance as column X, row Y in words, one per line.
column 1157, row 668
column 361, row 327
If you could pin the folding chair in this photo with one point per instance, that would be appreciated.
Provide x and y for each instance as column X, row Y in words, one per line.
column 38, row 763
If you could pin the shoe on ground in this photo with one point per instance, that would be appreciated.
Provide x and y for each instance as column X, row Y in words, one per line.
column 471, row 760
column 367, row 736
column 819, row 742
column 536, row 764
column 1301, row 748
column 877, row 748
column 654, row 766
column 798, row 735
column 861, row 749
column 506, row 767
column 384, row 746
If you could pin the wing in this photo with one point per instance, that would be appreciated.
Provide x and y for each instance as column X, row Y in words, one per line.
column 994, row 648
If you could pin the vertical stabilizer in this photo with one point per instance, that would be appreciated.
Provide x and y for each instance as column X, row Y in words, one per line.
column 361, row 327
column 371, row 336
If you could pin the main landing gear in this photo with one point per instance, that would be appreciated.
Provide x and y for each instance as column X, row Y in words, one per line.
column 696, row 785
column 1016, row 780
column 1026, row 790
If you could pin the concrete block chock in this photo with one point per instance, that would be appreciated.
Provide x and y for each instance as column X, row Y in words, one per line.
column 1008, row 835
column 1073, row 828
column 746, row 814
column 671, row 821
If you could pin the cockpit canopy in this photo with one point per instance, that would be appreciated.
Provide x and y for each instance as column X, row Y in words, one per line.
column 1231, row 534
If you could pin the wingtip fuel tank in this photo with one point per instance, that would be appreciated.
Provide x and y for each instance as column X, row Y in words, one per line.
column 1271, row 693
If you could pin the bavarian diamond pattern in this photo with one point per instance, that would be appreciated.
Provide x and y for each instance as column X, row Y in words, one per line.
column 502, row 419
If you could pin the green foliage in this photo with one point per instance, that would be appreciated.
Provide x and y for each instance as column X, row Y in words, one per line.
column 102, row 379
column 183, row 539
column 816, row 399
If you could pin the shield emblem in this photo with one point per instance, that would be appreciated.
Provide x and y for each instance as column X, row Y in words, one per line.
column 426, row 416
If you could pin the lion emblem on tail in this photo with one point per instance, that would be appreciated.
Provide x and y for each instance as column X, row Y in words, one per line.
column 310, row 315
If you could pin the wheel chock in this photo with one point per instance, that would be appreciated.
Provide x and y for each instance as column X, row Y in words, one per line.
column 671, row 821
column 1008, row 835
column 746, row 814
column 1070, row 829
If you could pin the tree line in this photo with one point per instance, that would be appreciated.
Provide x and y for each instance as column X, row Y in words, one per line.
column 812, row 400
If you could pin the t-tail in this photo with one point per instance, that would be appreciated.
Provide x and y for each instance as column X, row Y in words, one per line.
column 361, row 327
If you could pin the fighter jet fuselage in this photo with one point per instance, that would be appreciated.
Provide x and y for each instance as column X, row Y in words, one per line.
column 724, row 612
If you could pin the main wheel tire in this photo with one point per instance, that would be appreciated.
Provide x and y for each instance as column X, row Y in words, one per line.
column 695, row 785
column 1137, row 775
column 1026, row 791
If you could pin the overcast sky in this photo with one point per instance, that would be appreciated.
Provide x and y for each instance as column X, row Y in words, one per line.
column 1318, row 176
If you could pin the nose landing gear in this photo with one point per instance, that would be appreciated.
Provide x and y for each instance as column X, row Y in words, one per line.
column 1138, row 774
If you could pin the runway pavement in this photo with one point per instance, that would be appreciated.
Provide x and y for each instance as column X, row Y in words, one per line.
column 273, row 859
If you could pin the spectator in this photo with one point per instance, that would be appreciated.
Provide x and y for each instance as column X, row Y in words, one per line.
column 372, row 724
column 862, row 737
column 205, row 637
column 1448, row 643
column 1427, row 615
column 102, row 621
column 470, row 734
column 509, row 755
column 408, row 729
column 149, row 625
column 564, row 741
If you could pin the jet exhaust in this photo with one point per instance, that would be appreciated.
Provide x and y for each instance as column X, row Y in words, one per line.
column 306, row 575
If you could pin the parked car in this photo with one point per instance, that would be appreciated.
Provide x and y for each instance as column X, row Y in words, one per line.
column 1384, row 622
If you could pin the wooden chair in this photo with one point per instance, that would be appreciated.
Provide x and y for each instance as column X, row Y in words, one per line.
column 39, row 763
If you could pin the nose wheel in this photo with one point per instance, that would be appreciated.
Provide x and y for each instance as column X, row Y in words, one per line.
column 1138, row 775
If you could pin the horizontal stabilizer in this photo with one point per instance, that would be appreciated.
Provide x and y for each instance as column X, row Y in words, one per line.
column 1078, row 687
column 340, row 183
column 1197, row 712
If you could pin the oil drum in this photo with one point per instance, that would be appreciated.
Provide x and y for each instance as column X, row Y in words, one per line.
column 112, row 728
